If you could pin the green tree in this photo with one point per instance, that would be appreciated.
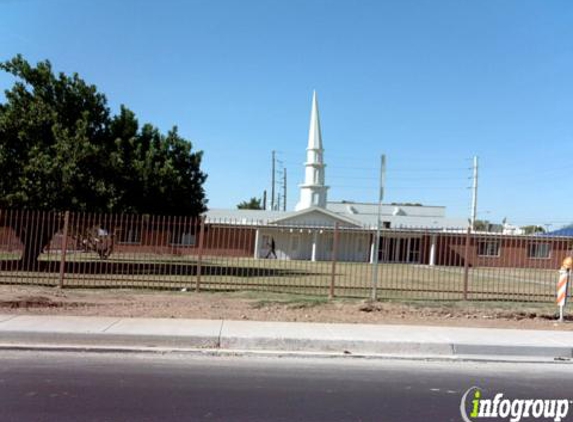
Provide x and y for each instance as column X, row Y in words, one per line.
column 62, row 149
column 253, row 204
column 532, row 229
column 481, row 225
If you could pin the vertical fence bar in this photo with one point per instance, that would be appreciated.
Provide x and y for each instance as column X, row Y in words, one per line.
column 73, row 226
column 200, row 253
column 238, row 246
column 466, row 262
column 151, row 252
column 228, row 234
column 4, row 241
column 32, row 236
column 97, row 232
column 17, row 264
column 165, row 252
column 64, row 246
column 12, row 264
column 51, row 225
column 39, row 247
column 374, row 286
column 334, row 259
column 506, row 273
column 204, row 242
column 188, row 269
column 87, row 267
column 178, row 240
column 240, row 239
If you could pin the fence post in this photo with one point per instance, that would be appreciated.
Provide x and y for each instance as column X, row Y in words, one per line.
column 64, row 247
column 200, row 254
column 466, row 262
column 334, row 259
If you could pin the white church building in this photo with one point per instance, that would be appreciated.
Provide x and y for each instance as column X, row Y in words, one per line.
column 307, row 233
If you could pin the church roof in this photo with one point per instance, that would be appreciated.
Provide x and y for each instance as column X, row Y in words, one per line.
column 398, row 216
column 371, row 208
column 316, row 216
column 425, row 219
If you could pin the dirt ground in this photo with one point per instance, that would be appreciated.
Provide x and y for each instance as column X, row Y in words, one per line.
column 262, row 306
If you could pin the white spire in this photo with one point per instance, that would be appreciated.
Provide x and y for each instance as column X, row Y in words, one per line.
column 313, row 190
column 314, row 135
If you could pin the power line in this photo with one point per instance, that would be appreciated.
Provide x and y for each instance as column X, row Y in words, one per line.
column 401, row 187
column 430, row 170
column 406, row 179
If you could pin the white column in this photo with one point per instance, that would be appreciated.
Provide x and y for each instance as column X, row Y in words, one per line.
column 257, row 240
column 372, row 248
column 433, row 250
column 314, row 243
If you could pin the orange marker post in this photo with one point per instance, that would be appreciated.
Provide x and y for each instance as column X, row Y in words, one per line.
column 562, row 285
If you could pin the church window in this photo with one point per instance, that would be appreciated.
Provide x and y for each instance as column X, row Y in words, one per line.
column 315, row 198
column 329, row 244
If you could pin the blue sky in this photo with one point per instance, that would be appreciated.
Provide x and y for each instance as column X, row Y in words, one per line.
column 428, row 83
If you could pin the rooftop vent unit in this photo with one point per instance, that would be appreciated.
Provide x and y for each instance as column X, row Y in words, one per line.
column 351, row 209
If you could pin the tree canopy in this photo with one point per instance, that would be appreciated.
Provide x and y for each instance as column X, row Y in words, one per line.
column 532, row 229
column 61, row 148
column 482, row 225
column 252, row 204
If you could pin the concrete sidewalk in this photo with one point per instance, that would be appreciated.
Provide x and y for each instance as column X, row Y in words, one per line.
column 105, row 333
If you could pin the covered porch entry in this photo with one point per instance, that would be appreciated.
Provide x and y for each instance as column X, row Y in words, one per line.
column 402, row 248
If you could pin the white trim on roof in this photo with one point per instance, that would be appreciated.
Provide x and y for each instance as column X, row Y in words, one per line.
column 327, row 213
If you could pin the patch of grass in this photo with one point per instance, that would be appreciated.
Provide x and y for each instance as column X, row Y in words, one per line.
column 224, row 274
column 476, row 306
column 291, row 301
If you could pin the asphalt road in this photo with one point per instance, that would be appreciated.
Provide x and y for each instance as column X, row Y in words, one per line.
column 66, row 387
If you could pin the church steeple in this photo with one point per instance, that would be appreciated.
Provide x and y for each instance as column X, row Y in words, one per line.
column 313, row 191
column 314, row 135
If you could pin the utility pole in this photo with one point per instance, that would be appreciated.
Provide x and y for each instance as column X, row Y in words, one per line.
column 284, row 189
column 474, row 193
column 273, row 181
column 376, row 251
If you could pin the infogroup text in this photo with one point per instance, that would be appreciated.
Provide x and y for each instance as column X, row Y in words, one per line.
column 514, row 410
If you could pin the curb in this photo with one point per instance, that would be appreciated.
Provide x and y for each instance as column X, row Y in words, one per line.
column 194, row 352
column 286, row 347
column 104, row 334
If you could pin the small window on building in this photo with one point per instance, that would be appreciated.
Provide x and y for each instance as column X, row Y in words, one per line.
column 539, row 250
column 294, row 243
column 182, row 238
column 329, row 244
column 130, row 235
column 386, row 224
column 359, row 245
column 315, row 198
column 488, row 248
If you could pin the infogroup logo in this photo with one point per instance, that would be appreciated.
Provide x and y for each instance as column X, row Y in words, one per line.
column 514, row 410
